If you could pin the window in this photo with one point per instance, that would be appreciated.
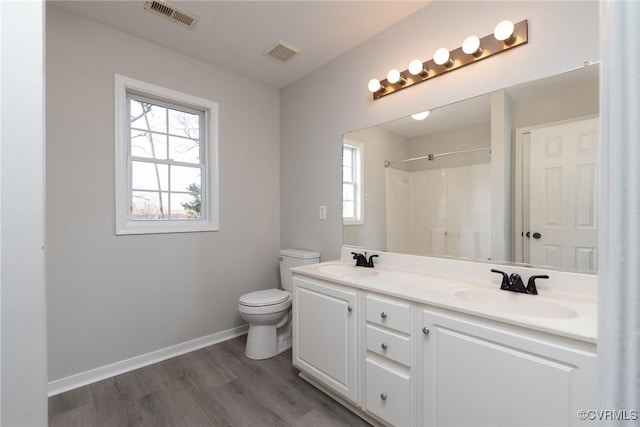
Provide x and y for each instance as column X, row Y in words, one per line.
column 166, row 160
column 352, row 153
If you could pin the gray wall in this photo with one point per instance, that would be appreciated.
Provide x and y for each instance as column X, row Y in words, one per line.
column 317, row 109
column 112, row 298
column 23, row 333
column 563, row 104
column 464, row 138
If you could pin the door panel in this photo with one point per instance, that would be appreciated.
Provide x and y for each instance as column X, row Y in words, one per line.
column 325, row 334
column 563, row 195
column 481, row 375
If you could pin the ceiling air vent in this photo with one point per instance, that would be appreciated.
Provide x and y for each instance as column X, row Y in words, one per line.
column 282, row 51
column 172, row 12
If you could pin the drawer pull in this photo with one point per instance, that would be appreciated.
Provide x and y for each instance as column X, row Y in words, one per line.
column 349, row 309
column 383, row 315
column 384, row 346
column 425, row 330
column 383, row 396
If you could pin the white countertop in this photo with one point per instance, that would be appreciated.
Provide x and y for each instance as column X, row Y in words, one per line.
column 559, row 313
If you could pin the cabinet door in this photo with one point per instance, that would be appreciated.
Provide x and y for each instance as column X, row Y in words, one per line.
column 482, row 375
column 324, row 328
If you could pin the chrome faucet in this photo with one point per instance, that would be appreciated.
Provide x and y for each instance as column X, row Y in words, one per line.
column 361, row 259
column 514, row 282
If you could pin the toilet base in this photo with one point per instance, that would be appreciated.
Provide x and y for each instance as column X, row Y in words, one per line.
column 285, row 338
column 265, row 341
column 262, row 342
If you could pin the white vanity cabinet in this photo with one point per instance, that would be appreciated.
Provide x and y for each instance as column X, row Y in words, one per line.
column 324, row 334
column 389, row 377
column 478, row 372
column 401, row 361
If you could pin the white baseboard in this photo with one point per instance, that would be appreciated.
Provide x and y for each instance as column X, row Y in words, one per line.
column 117, row 368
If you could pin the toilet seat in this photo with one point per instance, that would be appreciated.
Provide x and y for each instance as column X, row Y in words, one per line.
column 265, row 302
column 264, row 298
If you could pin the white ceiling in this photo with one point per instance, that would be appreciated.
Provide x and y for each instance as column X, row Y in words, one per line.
column 466, row 113
column 233, row 34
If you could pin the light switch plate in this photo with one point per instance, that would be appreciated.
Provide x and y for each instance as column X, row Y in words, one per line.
column 323, row 212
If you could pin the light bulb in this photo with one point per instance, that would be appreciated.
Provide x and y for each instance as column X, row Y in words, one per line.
column 374, row 85
column 416, row 67
column 471, row 46
column 504, row 31
column 442, row 57
column 420, row 116
column 394, row 76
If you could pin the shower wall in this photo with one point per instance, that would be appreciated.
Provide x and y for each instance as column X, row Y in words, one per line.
column 441, row 211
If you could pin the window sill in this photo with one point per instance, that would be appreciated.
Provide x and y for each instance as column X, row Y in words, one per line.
column 153, row 227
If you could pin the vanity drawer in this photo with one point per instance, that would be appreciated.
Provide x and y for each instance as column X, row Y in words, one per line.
column 388, row 313
column 388, row 394
column 388, row 344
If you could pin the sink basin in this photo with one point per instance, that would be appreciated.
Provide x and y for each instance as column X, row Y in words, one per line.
column 515, row 303
column 346, row 270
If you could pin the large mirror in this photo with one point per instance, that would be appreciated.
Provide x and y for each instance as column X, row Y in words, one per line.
column 509, row 176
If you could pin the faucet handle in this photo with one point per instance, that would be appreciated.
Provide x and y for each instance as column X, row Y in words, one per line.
column 361, row 260
column 371, row 260
column 531, row 283
column 505, row 279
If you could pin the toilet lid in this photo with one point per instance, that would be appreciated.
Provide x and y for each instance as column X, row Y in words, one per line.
column 262, row 298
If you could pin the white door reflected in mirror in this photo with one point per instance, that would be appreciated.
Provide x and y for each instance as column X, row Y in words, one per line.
column 563, row 196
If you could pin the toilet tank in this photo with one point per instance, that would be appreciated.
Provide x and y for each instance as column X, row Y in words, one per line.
column 294, row 258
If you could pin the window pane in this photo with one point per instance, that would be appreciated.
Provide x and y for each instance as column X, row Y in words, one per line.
column 348, row 209
column 135, row 109
column 347, row 192
column 184, row 150
column 184, row 124
column 148, row 205
column 347, row 174
column 186, row 206
column 147, row 116
column 141, row 146
column 182, row 178
column 347, row 157
column 149, row 176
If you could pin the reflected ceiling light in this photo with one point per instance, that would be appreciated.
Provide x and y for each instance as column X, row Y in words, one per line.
column 417, row 68
column 375, row 85
column 504, row 32
column 443, row 57
column 394, row 76
column 471, row 46
column 420, row 116
column 506, row 35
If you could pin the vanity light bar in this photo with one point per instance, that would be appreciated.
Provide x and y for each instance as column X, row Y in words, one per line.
column 489, row 45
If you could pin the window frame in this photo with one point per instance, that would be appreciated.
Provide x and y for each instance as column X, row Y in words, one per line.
column 357, row 166
column 124, row 86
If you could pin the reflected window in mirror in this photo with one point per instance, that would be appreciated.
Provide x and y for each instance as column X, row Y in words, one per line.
column 352, row 154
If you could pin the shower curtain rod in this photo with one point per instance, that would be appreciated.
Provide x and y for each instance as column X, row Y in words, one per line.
column 432, row 157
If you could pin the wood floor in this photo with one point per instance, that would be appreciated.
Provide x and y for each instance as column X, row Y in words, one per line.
column 214, row 386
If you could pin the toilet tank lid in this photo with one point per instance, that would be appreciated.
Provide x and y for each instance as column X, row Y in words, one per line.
column 299, row 253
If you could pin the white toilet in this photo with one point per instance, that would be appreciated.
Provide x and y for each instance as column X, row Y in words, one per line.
column 269, row 312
